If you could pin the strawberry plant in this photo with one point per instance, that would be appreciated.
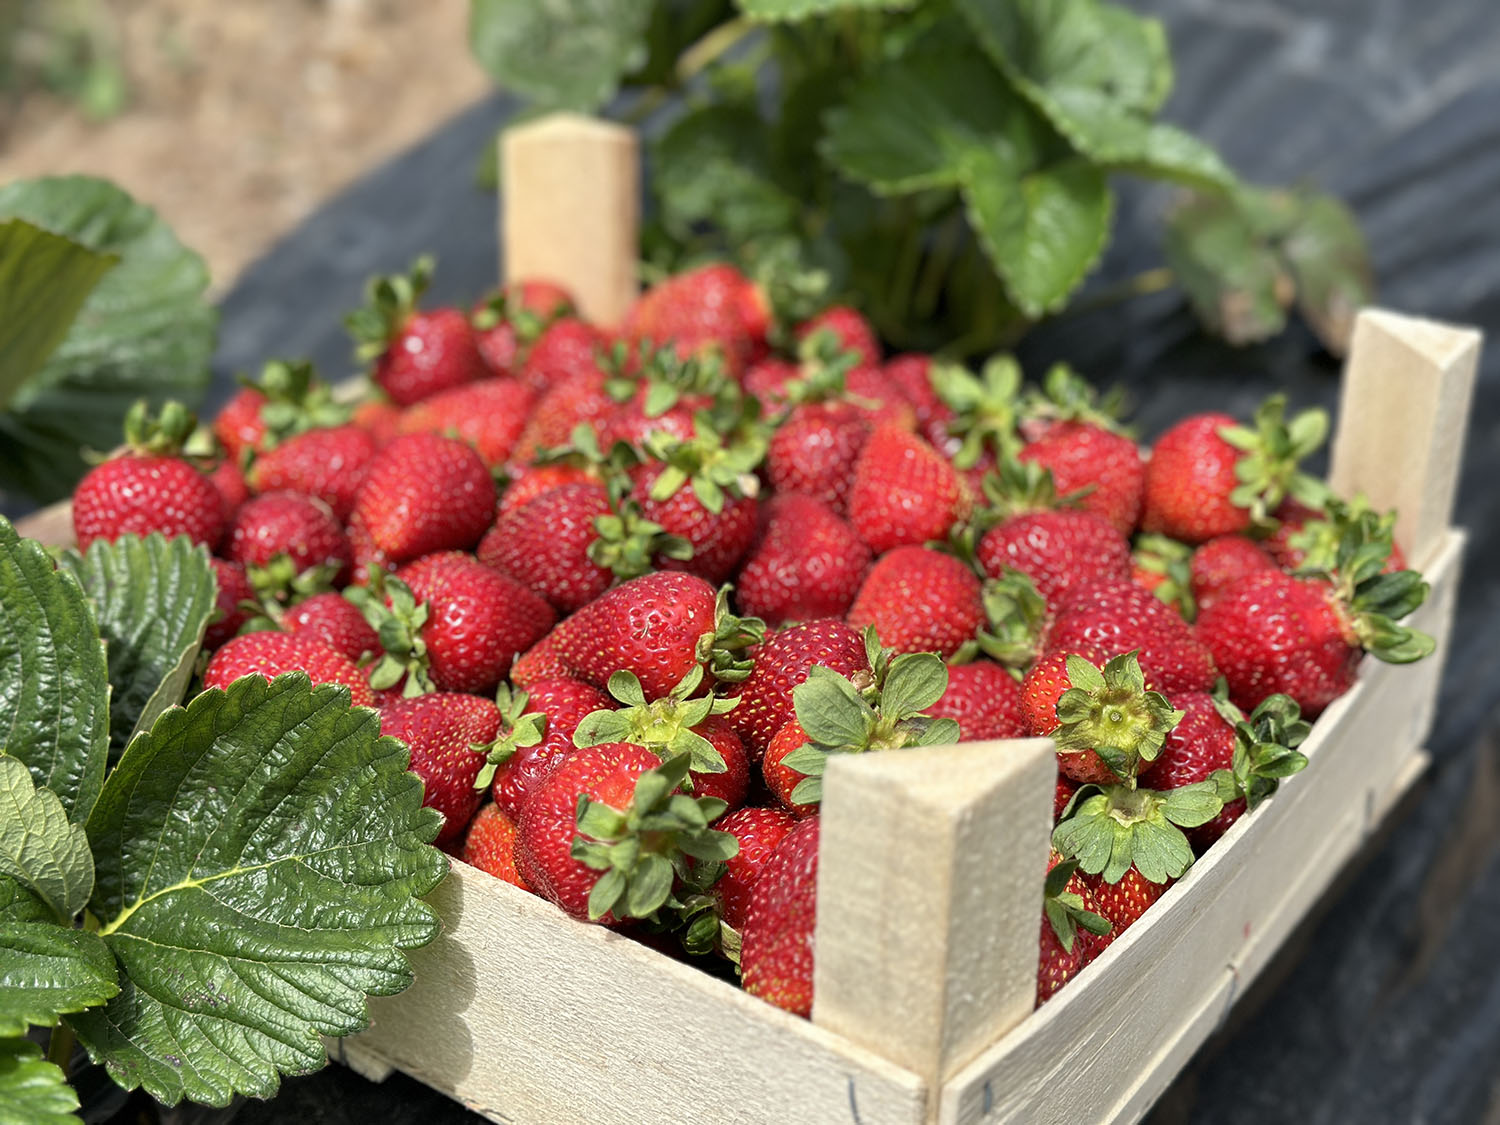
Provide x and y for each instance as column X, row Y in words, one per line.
column 196, row 894
column 945, row 165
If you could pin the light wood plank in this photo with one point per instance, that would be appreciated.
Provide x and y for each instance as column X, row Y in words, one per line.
column 928, row 897
column 51, row 526
column 570, row 209
column 1403, row 411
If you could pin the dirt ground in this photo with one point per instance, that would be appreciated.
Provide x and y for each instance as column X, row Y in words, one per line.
column 242, row 116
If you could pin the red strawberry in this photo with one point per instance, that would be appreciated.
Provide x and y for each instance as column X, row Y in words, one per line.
column 547, row 545
column 415, row 354
column 490, row 845
column 549, row 709
column 1221, row 562
column 378, row 418
column 1061, row 796
column 565, row 348
column 423, row 493
column 238, row 425
column 780, row 664
column 1084, row 456
column 781, row 779
column 1162, row 566
column 149, row 488
column 234, row 588
column 701, row 491
column 1200, row 744
column 288, row 399
column 711, row 308
column 1121, row 903
column 334, row 620
column 568, row 403
column 1069, row 918
column 1102, row 619
column 508, row 323
column 776, row 953
column 270, row 654
column 230, row 482
column 281, row 537
column 758, row 832
column 904, row 492
column 849, row 328
column 768, row 382
column 984, row 699
column 441, row 730
column 530, row 481
column 913, row 375
column 808, row 563
column 326, row 464
column 920, row 600
column 815, row 450
column 488, row 415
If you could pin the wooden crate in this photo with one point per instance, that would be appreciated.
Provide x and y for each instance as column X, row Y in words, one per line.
column 931, row 860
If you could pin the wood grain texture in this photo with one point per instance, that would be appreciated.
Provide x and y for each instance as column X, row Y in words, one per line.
column 929, row 872
column 570, row 209
column 1403, row 410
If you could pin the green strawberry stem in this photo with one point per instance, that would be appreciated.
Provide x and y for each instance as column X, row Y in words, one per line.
column 1016, row 486
column 389, row 303
column 1016, row 616
column 399, row 627
column 1265, row 751
column 1268, row 468
column 1066, row 396
column 712, row 468
column 663, row 726
column 985, row 407
column 518, row 727
column 1110, row 712
column 1110, row 829
column 626, row 542
column 160, row 435
column 1172, row 560
column 725, row 650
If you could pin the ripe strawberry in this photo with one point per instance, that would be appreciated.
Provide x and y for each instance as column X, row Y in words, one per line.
column 920, row 600
column 1308, row 538
column 488, row 415
column 1107, row 727
column 377, row 417
column 490, row 845
column 565, row 347
column 326, row 464
column 598, row 799
column 758, row 832
column 424, row 493
column 1061, row 796
column 230, row 482
column 441, row 729
column 1221, row 562
column 1162, row 566
column 1071, row 928
column 781, row 779
column 149, row 487
column 576, row 399
column 913, row 375
column 904, row 493
column 270, row 654
column 234, row 587
column 288, row 399
column 1084, row 456
column 780, row 664
column 711, row 308
column 508, row 322
column 776, row 954
column 287, row 541
column 336, row 621
column 1121, row 903
column 657, row 626
column 808, row 563
column 984, row 699
column 1209, row 476
column 815, row 450
column 1202, row 743
column 549, row 712
column 547, row 545
column 415, row 354
column 527, row 482
column 1101, row 619
column 702, row 491
column 849, row 328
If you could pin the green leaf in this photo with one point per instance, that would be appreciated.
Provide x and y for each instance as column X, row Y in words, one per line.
column 915, row 682
column 1192, row 805
column 1330, row 262
column 1160, row 851
column 152, row 599
column 54, row 690
column 259, row 856
column 830, row 710
column 39, row 848
column 564, row 54
column 44, row 280
column 145, row 331
column 650, row 884
column 47, row 970
column 33, row 1090
column 789, row 11
column 1237, row 283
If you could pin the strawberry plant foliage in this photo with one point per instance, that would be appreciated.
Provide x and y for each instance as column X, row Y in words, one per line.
column 31, row 1088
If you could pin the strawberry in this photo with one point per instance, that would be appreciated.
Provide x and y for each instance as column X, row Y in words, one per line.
column 1200, row 744
column 1221, row 562
column 234, row 587
column 1107, row 727
column 781, row 779
column 984, row 699
column 287, row 542
column 565, row 347
column 1209, row 476
column 984, row 411
column 227, row 478
column 1109, row 465
column 605, row 833
column 808, row 563
column 414, row 354
column 657, row 626
column 334, row 620
column 665, row 394
column 711, row 308
column 490, row 845
column 489, row 416
column 849, row 328
column 269, row 654
column 815, row 450
column 1101, row 619
column 920, row 600
column 326, row 464
column 1061, row 796
column 573, row 400
column 536, row 732
column 424, row 493
column 675, row 724
column 913, row 375
column 776, row 953
column 450, row 623
column 769, row 381
column 1308, row 538
column 758, row 832
column 1122, row 902
column 1071, row 928
column 288, row 399
column 904, row 493
column 780, row 664
column 1162, row 566
column 527, row 482
column 149, row 487
column 509, row 322
column 378, row 418
column 441, row 730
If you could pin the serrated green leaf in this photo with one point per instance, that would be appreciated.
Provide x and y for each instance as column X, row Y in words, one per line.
column 915, row 682
column 259, row 857
column 145, row 331
column 48, row 970
column 33, row 1091
column 39, row 848
column 788, row 11
column 1160, row 851
column 44, row 280
column 152, row 599
column 54, row 689
column 565, row 54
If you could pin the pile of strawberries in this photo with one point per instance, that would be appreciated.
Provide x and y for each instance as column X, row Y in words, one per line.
column 624, row 591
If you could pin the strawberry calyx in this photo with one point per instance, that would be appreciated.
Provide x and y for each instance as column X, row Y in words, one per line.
column 712, row 467
column 664, row 726
column 507, row 307
column 519, row 727
column 1270, row 455
column 584, row 452
column 1065, row 911
column 1164, row 565
column 823, row 369
column 393, row 611
column 725, row 649
column 297, row 400
column 985, row 406
column 1066, row 396
column 626, row 542
column 1109, row 829
column 389, row 304
column 1265, row 748
column 1016, row 487
column 280, row 583
column 1318, row 539
column 1110, row 712
column 1016, row 615
column 159, row 435
column 643, row 851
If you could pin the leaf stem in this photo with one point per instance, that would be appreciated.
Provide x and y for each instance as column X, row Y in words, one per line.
column 711, row 47
column 1140, row 285
column 60, row 1047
